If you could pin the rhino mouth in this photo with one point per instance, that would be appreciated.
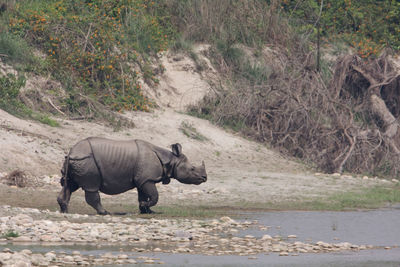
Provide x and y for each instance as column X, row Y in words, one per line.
column 201, row 180
column 196, row 181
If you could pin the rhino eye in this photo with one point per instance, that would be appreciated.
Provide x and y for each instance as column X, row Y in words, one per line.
column 193, row 168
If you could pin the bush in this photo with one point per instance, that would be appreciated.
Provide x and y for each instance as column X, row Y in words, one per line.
column 230, row 21
column 88, row 44
column 16, row 50
column 10, row 102
column 10, row 234
column 9, row 90
column 368, row 26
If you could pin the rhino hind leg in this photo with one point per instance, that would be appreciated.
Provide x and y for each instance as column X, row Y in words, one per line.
column 93, row 199
column 65, row 194
column 148, row 197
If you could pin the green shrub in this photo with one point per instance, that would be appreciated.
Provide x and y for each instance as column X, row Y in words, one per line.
column 9, row 90
column 10, row 233
column 190, row 131
column 368, row 26
column 16, row 50
column 9, row 101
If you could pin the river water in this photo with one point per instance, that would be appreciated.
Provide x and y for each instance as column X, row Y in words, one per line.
column 372, row 227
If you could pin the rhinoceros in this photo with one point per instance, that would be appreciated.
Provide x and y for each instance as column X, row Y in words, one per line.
column 113, row 167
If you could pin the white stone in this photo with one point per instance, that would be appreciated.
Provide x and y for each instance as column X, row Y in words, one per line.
column 123, row 256
column 266, row 237
column 26, row 252
column 226, row 219
column 4, row 256
column 50, row 256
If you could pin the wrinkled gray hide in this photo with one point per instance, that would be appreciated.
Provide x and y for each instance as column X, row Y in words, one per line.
column 113, row 167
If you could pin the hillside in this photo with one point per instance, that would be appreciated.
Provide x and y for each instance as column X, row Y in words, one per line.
column 272, row 103
column 241, row 172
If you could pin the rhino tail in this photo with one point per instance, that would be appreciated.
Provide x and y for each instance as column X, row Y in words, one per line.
column 64, row 172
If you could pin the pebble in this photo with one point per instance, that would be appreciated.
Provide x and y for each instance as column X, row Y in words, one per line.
column 266, row 237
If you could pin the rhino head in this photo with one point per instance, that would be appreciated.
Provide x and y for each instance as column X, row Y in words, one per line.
column 184, row 171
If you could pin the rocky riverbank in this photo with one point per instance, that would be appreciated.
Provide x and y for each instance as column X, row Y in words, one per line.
column 26, row 226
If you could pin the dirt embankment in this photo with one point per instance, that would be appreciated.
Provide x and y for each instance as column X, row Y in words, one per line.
column 240, row 171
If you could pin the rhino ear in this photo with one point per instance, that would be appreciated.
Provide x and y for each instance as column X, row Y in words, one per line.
column 176, row 149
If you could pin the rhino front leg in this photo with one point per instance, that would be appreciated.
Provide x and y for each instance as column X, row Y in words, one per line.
column 148, row 197
column 93, row 199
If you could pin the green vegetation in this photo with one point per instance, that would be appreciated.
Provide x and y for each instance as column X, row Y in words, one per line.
column 103, row 48
column 10, row 234
column 10, row 87
column 188, row 129
column 367, row 198
column 9, row 101
column 374, row 197
column 182, row 211
column 368, row 26
column 88, row 45
column 16, row 51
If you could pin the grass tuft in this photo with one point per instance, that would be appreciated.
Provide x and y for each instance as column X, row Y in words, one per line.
column 179, row 211
column 190, row 131
column 10, row 102
column 16, row 50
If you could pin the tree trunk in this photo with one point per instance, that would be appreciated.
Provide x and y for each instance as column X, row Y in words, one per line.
column 390, row 124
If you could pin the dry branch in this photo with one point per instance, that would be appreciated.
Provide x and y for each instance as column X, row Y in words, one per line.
column 54, row 106
column 350, row 124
